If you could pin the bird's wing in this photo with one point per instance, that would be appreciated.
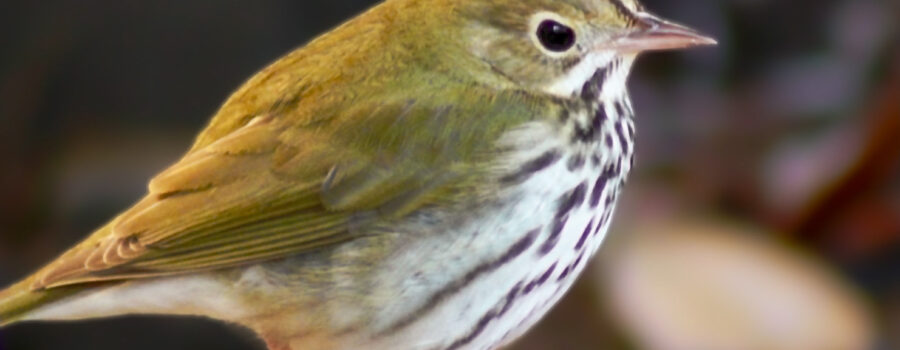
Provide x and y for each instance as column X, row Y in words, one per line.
column 271, row 189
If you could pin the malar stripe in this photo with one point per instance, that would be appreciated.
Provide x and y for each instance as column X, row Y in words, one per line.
column 452, row 288
column 569, row 63
column 591, row 89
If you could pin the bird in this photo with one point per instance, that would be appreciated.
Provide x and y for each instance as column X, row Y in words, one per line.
column 431, row 174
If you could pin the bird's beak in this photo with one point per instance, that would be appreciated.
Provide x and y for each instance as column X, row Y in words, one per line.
column 654, row 34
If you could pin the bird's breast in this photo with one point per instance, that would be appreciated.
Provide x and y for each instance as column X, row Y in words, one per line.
column 499, row 267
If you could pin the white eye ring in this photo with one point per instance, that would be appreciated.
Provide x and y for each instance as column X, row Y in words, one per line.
column 553, row 34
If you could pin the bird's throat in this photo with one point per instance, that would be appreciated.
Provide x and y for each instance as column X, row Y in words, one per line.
column 617, row 68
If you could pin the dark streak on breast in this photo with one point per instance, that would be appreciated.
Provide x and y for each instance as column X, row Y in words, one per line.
column 540, row 280
column 491, row 315
column 540, row 163
column 563, row 274
column 600, row 186
column 622, row 141
column 558, row 224
column 567, row 203
column 576, row 162
column 574, row 198
column 453, row 287
column 584, row 235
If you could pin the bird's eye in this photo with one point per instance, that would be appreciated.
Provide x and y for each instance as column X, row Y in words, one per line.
column 555, row 36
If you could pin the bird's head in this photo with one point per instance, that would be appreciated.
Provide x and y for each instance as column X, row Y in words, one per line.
column 557, row 45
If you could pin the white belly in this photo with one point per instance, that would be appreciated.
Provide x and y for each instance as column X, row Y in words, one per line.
column 537, row 245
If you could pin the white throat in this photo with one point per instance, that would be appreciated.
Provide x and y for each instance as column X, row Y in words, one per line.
column 572, row 83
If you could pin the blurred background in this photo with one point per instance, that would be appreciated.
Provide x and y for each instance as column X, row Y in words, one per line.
column 764, row 212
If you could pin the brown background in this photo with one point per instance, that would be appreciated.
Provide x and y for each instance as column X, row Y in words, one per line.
column 791, row 124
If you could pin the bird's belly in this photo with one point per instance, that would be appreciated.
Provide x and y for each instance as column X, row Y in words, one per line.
column 486, row 282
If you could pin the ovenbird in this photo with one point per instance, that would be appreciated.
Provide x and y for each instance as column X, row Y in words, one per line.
column 432, row 174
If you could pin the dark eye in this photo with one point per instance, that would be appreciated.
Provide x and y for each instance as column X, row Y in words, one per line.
column 555, row 36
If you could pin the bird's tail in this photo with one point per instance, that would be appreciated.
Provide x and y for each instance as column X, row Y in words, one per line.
column 19, row 300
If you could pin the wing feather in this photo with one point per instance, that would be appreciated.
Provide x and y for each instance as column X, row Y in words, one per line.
column 269, row 190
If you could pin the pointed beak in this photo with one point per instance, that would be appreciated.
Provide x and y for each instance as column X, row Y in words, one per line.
column 654, row 34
